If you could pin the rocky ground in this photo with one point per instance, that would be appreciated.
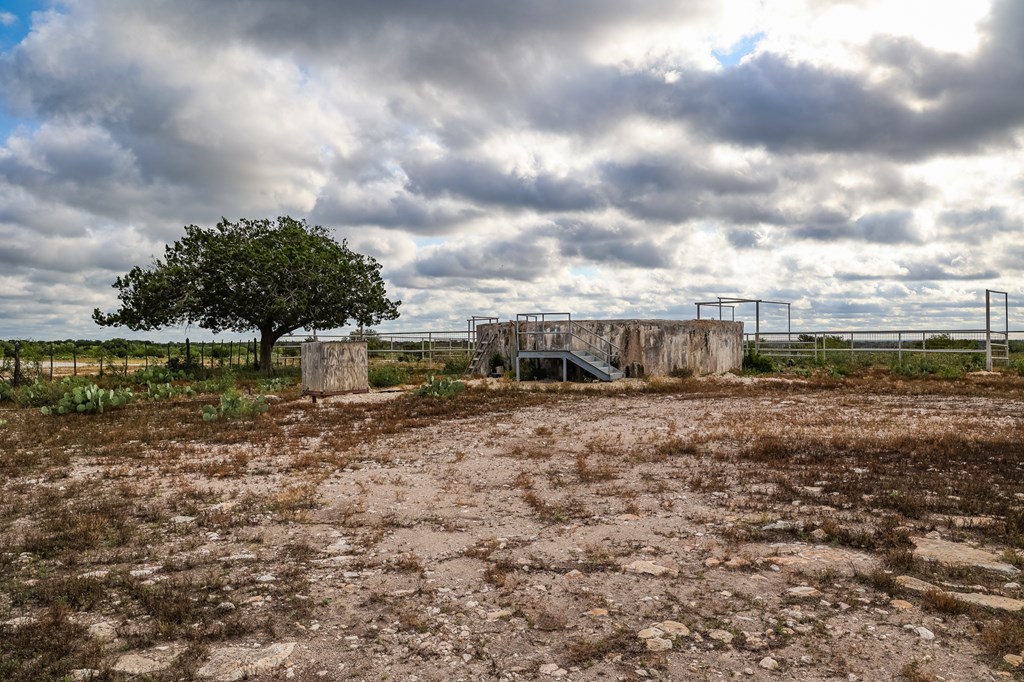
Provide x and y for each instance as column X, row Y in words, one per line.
column 696, row 530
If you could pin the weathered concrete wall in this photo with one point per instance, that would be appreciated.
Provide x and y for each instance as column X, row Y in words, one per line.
column 332, row 367
column 646, row 347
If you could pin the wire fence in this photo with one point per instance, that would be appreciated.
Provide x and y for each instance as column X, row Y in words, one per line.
column 424, row 346
column 895, row 344
column 23, row 361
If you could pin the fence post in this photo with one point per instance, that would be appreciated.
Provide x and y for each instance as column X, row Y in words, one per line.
column 988, row 331
column 51, row 363
column 202, row 354
column 899, row 348
column 16, row 379
column 231, row 353
column 188, row 351
column 145, row 353
column 74, row 359
column 168, row 351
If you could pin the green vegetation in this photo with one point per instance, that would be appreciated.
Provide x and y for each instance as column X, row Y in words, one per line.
column 254, row 275
column 457, row 364
column 233, row 406
column 89, row 399
column 386, row 376
column 754, row 363
column 440, row 388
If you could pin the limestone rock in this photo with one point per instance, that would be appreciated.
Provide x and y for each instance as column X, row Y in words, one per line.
column 142, row 664
column 553, row 670
column 597, row 613
column 803, row 592
column 769, row 663
column 650, row 568
column 990, row 601
column 659, row 644
column 924, row 633
column 339, row 546
column 498, row 615
column 722, row 636
column 956, row 554
column 104, row 631
column 1013, row 659
column 650, row 633
column 673, row 628
column 914, row 584
column 235, row 663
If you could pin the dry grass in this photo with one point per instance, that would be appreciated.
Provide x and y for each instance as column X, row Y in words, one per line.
column 98, row 493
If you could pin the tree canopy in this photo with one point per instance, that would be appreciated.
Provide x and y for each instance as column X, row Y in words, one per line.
column 273, row 277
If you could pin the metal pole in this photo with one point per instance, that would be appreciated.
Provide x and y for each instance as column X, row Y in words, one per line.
column 51, row 363
column 988, row 330
column 74, row 359
column 899, row 348
column 757, row 327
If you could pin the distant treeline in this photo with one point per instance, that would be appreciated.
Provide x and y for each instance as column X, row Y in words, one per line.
column 119, row 348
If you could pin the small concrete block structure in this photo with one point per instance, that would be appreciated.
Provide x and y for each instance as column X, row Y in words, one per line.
column 646, row 347
column 334, row 367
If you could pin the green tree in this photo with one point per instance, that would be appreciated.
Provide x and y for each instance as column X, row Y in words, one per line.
column 254, row 274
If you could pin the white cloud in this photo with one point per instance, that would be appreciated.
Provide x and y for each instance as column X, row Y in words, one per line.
column 498, row 157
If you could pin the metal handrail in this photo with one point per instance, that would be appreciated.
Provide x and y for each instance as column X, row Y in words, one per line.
column 606, row 351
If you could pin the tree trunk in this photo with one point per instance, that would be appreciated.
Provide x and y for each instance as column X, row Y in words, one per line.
column 267, row 340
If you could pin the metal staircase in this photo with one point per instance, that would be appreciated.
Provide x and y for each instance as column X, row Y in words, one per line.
column 553, row 336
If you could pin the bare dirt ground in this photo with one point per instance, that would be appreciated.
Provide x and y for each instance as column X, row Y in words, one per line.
column 706, row 529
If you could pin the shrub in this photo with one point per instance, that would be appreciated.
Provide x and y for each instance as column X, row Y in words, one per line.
column 233, row 405
column 758, row 364
column 386, row 376
column 916, row 367
column 440, row 388
column 497, row 360
column 457, row 364
column 89, row 399
column 183, row 366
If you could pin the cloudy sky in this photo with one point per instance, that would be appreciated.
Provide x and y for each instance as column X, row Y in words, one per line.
column 859, row 158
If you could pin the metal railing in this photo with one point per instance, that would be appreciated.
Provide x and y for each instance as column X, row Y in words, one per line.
column 559, row 332
column 822, row 344
column 424, row 345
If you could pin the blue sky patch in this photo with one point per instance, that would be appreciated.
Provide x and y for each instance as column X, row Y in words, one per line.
column 738, row 50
